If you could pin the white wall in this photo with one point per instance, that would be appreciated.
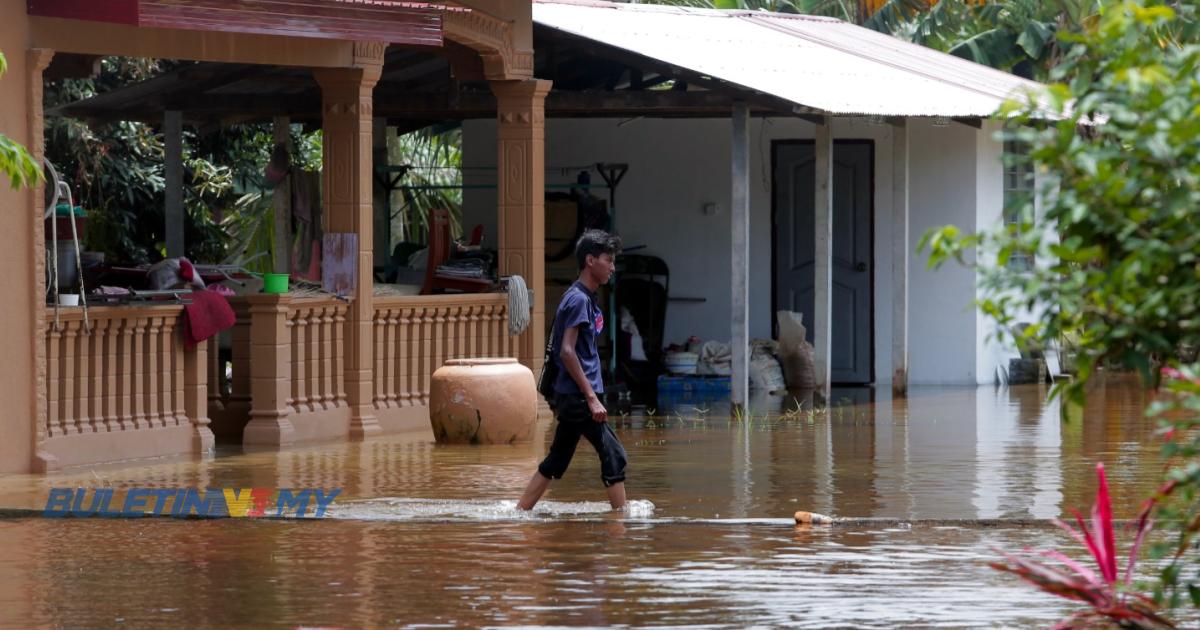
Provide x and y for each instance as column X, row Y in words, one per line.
column 676, row 166
column 942, row 323
column 989, row 207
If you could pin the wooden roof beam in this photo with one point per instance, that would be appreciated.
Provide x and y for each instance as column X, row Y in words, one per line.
column 408, row 105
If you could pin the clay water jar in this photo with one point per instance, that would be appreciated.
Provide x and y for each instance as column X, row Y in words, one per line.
column 483, row 401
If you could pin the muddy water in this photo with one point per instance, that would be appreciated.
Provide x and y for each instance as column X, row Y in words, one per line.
column 425, row 535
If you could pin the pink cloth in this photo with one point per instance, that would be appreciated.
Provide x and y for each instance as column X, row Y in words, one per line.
column 208, row 314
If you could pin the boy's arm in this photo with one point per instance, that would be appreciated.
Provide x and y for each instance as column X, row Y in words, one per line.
column 570, row 361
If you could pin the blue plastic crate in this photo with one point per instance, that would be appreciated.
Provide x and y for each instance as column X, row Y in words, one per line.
column 693, row 384
column 687, row 392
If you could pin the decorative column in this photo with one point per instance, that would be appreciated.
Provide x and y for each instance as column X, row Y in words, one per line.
column 520, row 197
column 37, row 60
column 270, row 372
column 347, row 104
column 195, row 397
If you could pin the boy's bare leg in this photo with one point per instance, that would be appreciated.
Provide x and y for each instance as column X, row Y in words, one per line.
column 534, row 491
column 616, row 495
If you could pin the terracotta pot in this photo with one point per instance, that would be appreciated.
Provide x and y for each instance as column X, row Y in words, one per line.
column 483, row 401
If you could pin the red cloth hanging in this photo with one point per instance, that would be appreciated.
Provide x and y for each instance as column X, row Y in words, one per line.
column 208, row 314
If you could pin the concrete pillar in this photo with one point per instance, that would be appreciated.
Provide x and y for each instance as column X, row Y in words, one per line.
column 25, row 316
column 823, row 256
column 173, row 184
column 270, row 372
column 739, row 213
column 900, row 259
column 347, row 105
column 195, row 397
column 520, row 178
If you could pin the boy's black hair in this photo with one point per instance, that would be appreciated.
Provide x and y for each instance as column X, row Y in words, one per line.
column 595, row 243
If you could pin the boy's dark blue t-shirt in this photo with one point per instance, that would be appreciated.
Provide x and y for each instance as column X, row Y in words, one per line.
column 578, row 308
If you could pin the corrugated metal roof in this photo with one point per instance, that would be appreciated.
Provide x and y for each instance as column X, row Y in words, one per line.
column 816, row 62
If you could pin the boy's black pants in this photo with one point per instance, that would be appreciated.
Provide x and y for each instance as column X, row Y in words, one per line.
column 575, row 421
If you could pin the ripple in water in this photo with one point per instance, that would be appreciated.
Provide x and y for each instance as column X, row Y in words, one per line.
column 405, row 509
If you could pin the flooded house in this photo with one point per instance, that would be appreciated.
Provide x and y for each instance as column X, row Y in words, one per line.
column 771, row 163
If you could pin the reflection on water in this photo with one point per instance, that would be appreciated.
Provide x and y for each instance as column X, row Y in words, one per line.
column 426, row 534
column 351, row 574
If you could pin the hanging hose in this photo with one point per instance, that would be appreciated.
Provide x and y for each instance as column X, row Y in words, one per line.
column 50, row 213
column 518, row 305
column 60, row 189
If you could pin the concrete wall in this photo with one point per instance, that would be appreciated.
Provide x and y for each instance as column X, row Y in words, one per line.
column 942, row 321
column 677, row 166
column 16, row 218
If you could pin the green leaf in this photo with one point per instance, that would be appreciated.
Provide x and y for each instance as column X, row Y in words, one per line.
column 1081, row 255
column 1170, row 574
column 996, row 48
column 1034, row 38
column 17, row 164
column 891, row 15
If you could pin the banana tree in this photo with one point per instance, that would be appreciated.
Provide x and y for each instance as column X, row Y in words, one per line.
column 434, row 181
column 1017, row 35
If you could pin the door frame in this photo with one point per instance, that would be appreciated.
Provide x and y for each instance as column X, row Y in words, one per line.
column 775, row 144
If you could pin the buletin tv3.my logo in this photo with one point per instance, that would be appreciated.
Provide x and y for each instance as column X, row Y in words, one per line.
column 191, row 502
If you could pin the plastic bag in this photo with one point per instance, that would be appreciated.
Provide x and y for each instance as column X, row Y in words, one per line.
column 716, row 358
column 795, row 353
column 637, row 348
column 765, row 373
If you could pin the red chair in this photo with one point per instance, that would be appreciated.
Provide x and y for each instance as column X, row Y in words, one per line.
column 439, row 252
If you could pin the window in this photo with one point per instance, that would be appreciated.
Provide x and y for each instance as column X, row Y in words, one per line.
column 1018, row 195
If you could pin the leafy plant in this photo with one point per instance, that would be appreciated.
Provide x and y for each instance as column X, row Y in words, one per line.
column 1107, row 593
column 116, row 171
column 1115, row 238
column 15, row 161
column 1178, row 409
column 251, row 228
column 434, row 181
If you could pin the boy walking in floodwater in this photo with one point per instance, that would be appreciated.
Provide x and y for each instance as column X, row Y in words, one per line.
column 577, row 407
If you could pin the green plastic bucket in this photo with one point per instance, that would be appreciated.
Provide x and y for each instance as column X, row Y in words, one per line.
column 275, row 283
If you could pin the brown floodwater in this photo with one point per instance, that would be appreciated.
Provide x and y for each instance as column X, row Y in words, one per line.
column 425, row 535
